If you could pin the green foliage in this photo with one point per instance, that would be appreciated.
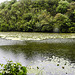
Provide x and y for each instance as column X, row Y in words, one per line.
column 37, row 15
column 72, row 29
column 13, row 69
column 62, row 7
column 72, row 16
column 62, row 22
column 2, row 5
column 27, row 16
column 47, row 28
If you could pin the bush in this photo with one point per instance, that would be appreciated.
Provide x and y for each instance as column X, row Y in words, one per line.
column 13, row 69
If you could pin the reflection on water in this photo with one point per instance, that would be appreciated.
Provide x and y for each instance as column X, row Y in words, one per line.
column 45, row 57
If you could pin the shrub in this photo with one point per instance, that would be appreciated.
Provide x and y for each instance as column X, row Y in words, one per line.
column 13, row 69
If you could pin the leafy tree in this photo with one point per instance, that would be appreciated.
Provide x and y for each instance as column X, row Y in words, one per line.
column 62, row 7
column 71, row 8
column 37, row 15
column 62, row 22
column 51, row 6
column 72, row 16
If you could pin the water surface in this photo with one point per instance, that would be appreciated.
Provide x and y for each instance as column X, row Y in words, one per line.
column 47, row 56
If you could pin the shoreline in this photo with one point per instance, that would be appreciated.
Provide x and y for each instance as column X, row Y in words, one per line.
column 21, row 36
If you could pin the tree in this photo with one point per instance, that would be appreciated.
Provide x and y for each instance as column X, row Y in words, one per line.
column 62, row 22
column 37, row 15
column 72, row 16
column 62, row 7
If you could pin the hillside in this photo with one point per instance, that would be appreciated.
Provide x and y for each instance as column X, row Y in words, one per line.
column 38, row 16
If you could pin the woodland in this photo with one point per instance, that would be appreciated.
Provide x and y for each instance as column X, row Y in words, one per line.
column 38, row 16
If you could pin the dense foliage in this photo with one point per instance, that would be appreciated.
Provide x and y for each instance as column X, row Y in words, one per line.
column 38, row 15
column 13, row 69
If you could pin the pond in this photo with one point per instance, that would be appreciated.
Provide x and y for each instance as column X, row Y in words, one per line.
column 42, row 53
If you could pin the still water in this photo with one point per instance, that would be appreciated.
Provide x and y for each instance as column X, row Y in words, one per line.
column 47, row 56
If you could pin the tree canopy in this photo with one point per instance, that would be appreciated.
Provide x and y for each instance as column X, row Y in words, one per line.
column 37, row 15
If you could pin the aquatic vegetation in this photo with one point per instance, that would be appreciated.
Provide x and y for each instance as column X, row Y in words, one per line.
column 41, row 53
column 34, row 36
column 11, row 68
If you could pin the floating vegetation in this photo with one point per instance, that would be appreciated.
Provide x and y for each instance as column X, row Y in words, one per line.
column 34, row 36
column 57, row 64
